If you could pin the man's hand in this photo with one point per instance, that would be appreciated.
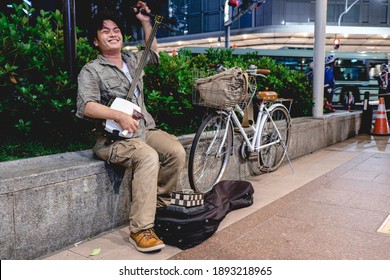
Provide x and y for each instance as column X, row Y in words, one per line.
column 98, row 111
column 127, row 122
column 142, row 6
column 145, row 22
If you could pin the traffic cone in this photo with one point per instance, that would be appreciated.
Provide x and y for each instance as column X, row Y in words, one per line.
column 381, row 126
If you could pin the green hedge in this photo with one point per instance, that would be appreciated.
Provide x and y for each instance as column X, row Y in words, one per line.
column 168, row 88
column 37, row 93
column 38, row 97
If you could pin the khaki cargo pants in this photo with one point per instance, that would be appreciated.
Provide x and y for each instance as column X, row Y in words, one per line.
column 155, row 163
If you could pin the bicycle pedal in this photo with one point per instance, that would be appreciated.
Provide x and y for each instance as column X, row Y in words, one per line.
column 252, row 156
column 265, row 169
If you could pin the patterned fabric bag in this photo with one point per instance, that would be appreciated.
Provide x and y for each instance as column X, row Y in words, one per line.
column 223, row 90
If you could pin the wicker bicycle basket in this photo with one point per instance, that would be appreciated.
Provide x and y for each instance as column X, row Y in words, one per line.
column 222, row 91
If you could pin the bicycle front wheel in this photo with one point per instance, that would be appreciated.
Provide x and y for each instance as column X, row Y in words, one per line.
column 275, row 134
column 209, row 153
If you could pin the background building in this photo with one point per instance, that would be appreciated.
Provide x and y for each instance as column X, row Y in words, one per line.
column 202, row 16
column 276, row 23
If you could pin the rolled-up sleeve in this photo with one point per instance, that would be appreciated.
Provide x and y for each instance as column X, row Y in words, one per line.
column 87, row 91
column 154, row 58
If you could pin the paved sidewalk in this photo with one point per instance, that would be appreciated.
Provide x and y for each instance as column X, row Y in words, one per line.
column 330, row 207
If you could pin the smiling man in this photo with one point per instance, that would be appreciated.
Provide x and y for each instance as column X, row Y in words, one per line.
column 154, row 157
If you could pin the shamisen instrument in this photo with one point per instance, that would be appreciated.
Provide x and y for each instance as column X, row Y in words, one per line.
column 124, row 104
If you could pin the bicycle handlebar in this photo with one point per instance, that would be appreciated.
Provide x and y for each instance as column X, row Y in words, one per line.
column 263, row 71
column 254, row 72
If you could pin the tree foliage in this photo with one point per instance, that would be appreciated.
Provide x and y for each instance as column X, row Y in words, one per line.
column 37, row 93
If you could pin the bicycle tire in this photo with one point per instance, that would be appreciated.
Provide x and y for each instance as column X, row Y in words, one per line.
column 205, row 167
column 271, row 157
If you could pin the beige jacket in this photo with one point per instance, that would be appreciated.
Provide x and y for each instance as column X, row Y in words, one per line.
column 100, row 81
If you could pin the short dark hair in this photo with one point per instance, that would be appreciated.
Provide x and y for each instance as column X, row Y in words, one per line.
column 97, row 24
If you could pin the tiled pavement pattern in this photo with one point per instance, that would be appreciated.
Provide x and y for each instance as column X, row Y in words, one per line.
column 330, row 207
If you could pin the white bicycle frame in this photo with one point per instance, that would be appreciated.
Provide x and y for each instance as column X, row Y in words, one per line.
column 261, row 118
column 264, row 112
column 254, row 145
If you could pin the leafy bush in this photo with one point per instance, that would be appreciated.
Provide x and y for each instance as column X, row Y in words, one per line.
column 38, row 97
column 287, row 83
column 37, row 93
column 168, row 91
column 168, row 88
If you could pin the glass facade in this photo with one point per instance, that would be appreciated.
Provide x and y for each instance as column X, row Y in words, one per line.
column 201, row 16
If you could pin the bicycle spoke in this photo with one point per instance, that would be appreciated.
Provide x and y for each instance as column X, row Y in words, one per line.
column 276, row 135
column 210, row 152
column 206, row 164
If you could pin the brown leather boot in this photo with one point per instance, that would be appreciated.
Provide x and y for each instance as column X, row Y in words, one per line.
column 146, row 240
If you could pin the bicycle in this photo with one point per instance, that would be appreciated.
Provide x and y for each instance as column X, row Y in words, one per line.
column 265, row 141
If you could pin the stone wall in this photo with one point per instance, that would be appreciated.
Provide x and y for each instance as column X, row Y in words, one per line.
column 50, row 202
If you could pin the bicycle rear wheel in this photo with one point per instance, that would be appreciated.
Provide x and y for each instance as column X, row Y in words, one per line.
column 271, row 157
column 209, row 153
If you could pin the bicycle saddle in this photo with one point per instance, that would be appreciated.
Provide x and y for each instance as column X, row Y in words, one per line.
column 267, row 95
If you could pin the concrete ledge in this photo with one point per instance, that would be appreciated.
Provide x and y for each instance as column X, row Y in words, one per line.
column 312, row 134
column 50, row 202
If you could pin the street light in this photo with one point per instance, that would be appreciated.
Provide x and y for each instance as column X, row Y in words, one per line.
column 229, row 18
column 346, row 10
column 70, row 36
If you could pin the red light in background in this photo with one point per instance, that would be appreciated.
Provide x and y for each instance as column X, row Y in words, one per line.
column 233, row 3
column 336, row 43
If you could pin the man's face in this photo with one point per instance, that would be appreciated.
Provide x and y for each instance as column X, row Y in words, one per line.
column 109, row 39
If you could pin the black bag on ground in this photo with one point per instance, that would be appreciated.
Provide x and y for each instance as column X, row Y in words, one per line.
column 186, row 229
